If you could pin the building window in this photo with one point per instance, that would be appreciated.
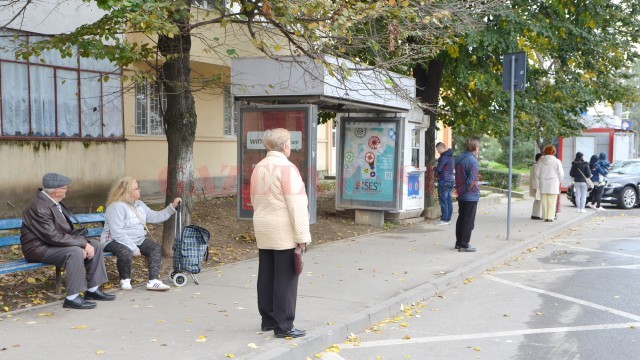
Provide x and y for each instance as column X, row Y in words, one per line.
column 229, row 116
column 57, row 97
column 150, row 108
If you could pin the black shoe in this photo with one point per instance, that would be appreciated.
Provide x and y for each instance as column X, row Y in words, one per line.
column 535, row 217
column 267, row 327
column 467, row 249
column 293, row 333
column 548, row 220
column 457, row 247
column 99, row 295
column 78, row 303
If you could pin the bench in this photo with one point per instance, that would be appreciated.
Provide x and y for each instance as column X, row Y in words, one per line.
column 14, row 266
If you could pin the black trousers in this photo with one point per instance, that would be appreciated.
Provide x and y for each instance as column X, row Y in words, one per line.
column 466, row 222
column 277, row 288
column 149, row 249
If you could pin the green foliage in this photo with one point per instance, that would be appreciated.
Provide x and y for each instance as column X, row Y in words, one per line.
column 523, row 153
column 578, row 52
column 499, row 178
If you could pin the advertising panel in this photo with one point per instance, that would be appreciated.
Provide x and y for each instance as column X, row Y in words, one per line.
column 300, row 120
column 369, row 163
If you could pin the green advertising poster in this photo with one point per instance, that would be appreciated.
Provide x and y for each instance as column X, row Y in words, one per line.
column 369, row 163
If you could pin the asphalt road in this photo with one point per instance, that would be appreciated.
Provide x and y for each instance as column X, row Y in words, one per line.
column 574, row 297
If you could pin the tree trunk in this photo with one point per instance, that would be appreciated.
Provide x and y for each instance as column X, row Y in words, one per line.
column 428, row 78
column 180, row 126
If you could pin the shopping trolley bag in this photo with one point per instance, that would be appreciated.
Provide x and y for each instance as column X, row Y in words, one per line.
column 190, row 250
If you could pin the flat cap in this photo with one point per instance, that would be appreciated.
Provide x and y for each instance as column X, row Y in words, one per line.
column 54, row 181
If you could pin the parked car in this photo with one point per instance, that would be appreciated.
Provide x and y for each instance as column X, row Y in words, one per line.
column 622, row 187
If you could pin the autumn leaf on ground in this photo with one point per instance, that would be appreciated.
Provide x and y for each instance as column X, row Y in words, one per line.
column 252, row 345
column 100, row 352
column 476, row 348
column 335, row 348
column 45, row 314
column 201, row 338
column 80, row 327
column 468, row 280
column 31, row 280
column 231, row 356
column 406, row 337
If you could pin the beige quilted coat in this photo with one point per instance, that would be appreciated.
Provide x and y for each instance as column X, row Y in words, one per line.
column 279, row 200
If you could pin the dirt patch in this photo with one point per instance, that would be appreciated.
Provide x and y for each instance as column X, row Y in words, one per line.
column 232, row 240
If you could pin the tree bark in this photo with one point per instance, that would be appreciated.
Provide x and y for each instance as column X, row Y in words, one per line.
column 428, row 78
column 180, row 126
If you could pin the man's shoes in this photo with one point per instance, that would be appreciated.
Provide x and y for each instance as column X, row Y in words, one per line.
column 458, row 247
column 78, row 303
column 442, row 222
column 98, row 295
column 267, row 327
column 535, row 217
column 293, row 333
column 467, row 249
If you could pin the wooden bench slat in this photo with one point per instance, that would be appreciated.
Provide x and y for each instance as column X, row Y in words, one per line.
column 10, row 224
column 18, row 265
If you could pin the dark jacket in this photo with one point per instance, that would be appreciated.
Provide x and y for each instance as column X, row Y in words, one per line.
column 467, row 177
column 576, row 167
column 598, row 172
column 445, row 167
column 44, row 226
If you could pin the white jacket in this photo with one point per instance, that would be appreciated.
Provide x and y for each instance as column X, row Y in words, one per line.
column 550, row 174
column 279, row 200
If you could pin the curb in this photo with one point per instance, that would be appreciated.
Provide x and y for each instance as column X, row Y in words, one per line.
column 319, row 339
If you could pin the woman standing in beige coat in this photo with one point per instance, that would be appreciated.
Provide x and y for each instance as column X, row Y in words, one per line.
column 550, row 175
column 280, row 222
column 536, row 212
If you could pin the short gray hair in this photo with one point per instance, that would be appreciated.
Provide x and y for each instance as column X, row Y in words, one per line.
column 273, row 139
column 473, row 144
column 49, row 191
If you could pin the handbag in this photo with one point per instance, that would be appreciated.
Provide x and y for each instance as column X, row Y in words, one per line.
column 298, row 261
column 588, row 180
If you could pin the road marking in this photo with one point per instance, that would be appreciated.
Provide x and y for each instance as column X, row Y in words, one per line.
column 489, row 335
column 567, row 298
column 568, row 269
column 617, row 228
column 331, row 356
column 601, row 251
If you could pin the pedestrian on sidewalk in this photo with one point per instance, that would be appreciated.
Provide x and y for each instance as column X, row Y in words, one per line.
column 47, row 236
column 580, row 172
column 598, row 176
column 536, row 212
column 281, row 223
column 550, row 175
column 466, row 182
column 125, row 232
column 444, row 174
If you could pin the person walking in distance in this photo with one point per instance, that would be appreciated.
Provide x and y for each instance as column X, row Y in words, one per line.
column 550, row 175
column 536, row 212
column 444, row 173
column 580, row 172
column 466, row 183
column 599, row 171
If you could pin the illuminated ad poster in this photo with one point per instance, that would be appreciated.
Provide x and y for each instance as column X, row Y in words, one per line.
column 370, row 159
column 253, row 123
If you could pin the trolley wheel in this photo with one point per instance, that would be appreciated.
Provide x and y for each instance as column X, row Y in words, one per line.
column 179, row 280
column 173, row 273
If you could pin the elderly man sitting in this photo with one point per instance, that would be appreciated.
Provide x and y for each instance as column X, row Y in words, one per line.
column 46, row 237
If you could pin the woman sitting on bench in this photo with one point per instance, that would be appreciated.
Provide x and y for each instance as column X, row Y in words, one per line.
column 125, row 231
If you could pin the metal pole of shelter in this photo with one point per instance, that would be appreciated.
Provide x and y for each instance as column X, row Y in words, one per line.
column 513, row 71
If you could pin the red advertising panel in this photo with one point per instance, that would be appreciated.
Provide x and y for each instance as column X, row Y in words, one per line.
column 301, row 123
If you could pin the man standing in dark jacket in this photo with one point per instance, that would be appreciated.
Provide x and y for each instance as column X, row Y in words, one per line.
column 444, row 173
column 468, row 194
column 46, row 237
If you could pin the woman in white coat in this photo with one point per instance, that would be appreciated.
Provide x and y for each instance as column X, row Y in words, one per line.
column 550, row 175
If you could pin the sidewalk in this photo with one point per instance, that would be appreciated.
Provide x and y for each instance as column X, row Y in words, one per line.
column 347, row 285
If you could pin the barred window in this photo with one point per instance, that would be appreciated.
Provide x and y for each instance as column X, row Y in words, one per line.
column 149, row 108
column 229, row 118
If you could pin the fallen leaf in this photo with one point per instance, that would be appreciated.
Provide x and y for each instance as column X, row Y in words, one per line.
column 231, row 356
column 45, row 314
column 80, row 327
column 252, row 345
column 406, row 337
column 476, row 348
column 31, row 280
column 100, row 352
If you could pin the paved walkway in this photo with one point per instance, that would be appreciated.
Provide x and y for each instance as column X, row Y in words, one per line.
column 347, row 285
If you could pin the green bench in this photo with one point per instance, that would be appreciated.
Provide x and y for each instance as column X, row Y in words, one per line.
column 14, row 266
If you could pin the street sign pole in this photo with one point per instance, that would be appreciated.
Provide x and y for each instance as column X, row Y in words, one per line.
column 512, row 80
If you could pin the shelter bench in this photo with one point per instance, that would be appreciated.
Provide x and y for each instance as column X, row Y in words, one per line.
column 14, row 266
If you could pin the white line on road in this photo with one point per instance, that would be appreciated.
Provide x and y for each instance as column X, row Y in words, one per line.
column 489, row 335
column 602, row 251
column 567, row 298
column 331, row 356
column 617, row 228
column 567, row 269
